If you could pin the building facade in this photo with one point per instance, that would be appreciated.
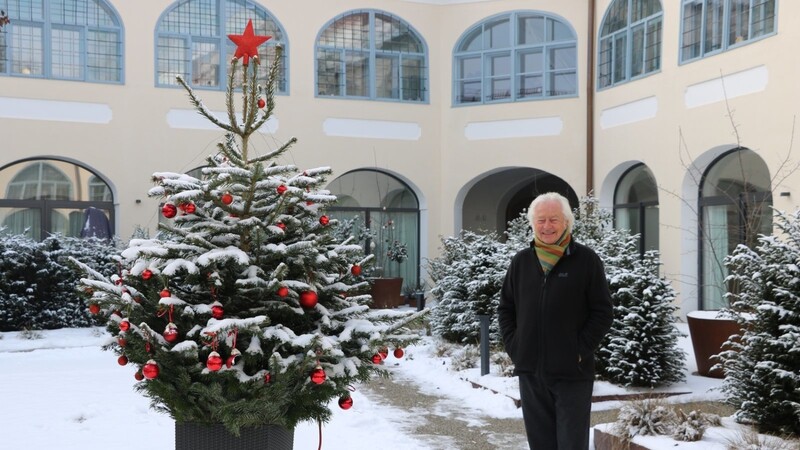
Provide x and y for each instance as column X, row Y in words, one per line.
column 435, row 115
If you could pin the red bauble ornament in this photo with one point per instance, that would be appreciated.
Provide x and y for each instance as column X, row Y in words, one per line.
column 227, row 198
column 171, row 333
column 214, row 362
column 94, row 308
column 355, row 270
column 346, row 402
column 324, row 220
column 147, row 274
column 169, row 210
column 189, row 208
column 217, row 311
column 283, row 291
column 165, row 293
column 398, row 353
column 318, row 375
column 122, row 360
column 308, row 299
column 281, row 225
column 124, row 325
column 384, row 352
column 150, row 370
column 267, row 378
column 261, row 103
column 122, row 342
column 138, row 375
column 376, row 358
column 281, row 189
column 235, row 354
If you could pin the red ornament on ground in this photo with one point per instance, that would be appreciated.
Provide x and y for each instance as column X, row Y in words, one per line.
column 398, row 353
column 227, row 198
column 346, row 402
column 324, row 220
column 355, row 270
column 261, row 103
column 138, row 375
column 169, row 210
column 147, row 274
column 124, row 325
column 247, row 43
column 318, row 375
column 235, row 354
column 308, row 299
column 214, row 362
column 94, row 308
column 171, row 333
column 283, row 291
column 165, row 293
column 122, row 360
column 376, row 358
column 281, row 189
column 217, row 311
column 150, row 370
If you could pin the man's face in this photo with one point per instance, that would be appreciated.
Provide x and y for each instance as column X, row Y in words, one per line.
column 549, row 222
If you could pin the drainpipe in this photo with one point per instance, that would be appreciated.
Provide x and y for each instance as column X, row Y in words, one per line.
column 590, row 101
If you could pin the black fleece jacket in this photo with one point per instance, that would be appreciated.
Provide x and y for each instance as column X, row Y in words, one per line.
column 551, row 325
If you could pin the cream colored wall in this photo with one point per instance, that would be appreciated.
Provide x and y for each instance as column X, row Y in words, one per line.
column 680, row 137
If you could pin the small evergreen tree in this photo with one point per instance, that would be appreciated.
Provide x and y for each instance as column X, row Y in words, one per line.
column 17, row 282
column 641, row 348
column 245, row 310
column 762, row 368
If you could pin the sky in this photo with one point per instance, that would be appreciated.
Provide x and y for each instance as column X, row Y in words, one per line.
column 63, row 392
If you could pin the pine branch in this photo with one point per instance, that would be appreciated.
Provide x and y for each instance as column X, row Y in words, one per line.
column 200, row 107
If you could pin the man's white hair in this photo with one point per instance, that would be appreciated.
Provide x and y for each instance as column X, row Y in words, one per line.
column 552, row 197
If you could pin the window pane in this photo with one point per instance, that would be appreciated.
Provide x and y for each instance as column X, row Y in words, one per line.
column 531, row 61
column 720, row 237
column 66, row 54
column 413, row 77
column 619, row 58
column 530, row 30
column 651, row 228
column 387, row 76
column 529, row 86
column 357, row 74
column 739, row 21
column 3, row 53
column 351, row 32
column 641, row 9
column 103, row 56
column 470, row 92
column 195, row 17
column 736, row 173
column 473, row 41
column 501, row 89
column 559, row 31
column 763, row 18
column 500, row 64
column 172, row 60
column 637, row 50
column 564, row 83
column 562, row 58
column 27, row 222
column 652, row 55
column 329, row 70
column 391, row 34
column 616, row 19
column 714, row 26
column 27, row 50
column 31, row 10
column 692, row 29
column 498, row 34
column 205, row 64
column 604, row 63
column 470, row 67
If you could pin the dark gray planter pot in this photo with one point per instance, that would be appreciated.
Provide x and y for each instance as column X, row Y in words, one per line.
column 200, row 436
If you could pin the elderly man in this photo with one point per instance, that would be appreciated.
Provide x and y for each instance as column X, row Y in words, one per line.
column 554, row 310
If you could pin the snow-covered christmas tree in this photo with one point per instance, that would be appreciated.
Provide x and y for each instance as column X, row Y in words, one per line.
column 762, row 368
column 641, row 348
column 245, row 310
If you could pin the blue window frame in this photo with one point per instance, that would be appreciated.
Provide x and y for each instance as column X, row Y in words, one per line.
column 713, row 26
column 192, row 37
column 77, row 40
column 515, row 56
column 636, row 206
column 630, row 41
column 370, row 54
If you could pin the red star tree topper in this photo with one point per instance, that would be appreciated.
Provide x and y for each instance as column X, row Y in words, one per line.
column 247, row 43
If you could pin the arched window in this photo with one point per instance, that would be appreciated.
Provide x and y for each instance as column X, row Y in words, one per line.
column 192, row 41
column 636, row 206
column 381, row 210
column 735, row 207
column 630, row 41
column 712, row 26
column 48, row 196
column 66, row 40
column 515, row 56
column 373, row 55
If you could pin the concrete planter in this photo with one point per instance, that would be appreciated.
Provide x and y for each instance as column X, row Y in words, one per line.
column 709, row 333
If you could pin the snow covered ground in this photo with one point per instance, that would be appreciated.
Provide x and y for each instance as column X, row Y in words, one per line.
column 62, row 392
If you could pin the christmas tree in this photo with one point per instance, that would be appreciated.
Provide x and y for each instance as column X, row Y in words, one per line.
column 245, row 310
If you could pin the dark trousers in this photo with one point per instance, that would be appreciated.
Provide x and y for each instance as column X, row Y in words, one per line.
column 557, row 413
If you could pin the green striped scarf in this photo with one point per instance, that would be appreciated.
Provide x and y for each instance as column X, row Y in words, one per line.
column 549, row 254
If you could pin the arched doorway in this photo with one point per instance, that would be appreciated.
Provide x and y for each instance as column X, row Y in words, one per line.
column 383, row 214
column 48, row 196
